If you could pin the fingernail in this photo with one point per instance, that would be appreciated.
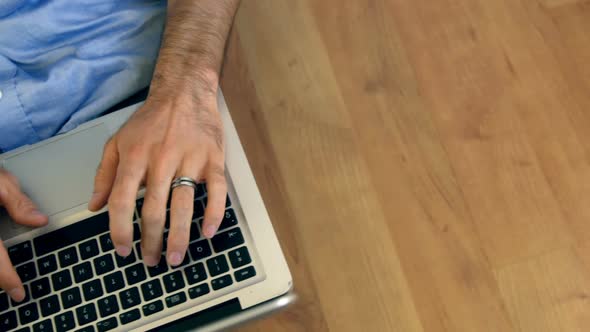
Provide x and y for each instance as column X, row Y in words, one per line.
column 150, row 260
column 210, row 231
column 123, row 251
column 174, row 258
column 17, row 294
column 37, row 213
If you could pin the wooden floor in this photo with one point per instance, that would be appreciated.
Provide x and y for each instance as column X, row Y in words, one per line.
column 426, row 163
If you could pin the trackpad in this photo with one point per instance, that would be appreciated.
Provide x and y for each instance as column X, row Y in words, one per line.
column 59, row 175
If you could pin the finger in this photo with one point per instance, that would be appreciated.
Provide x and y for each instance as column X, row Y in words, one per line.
column 9, row 279
column 153, row 213
column 181, row 213
column 122, row 204
column 216, row 192
column 105, row 177
column 20, row 208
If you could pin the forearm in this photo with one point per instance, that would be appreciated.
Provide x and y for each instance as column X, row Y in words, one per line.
column 192, row 48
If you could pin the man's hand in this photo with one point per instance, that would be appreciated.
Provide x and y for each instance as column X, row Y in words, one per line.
column 22, row 211
column 176, row 133
column 165, row 139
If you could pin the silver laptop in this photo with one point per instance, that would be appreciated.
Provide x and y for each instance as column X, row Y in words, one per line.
column 76, row 282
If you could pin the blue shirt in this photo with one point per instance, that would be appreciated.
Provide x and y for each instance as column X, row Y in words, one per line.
column 64, row 62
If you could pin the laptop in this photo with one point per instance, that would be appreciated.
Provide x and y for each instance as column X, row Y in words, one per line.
column 74, row 280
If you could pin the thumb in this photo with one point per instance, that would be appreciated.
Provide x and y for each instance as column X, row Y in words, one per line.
column 20, row 208
column 9, row 279
column 105, row 176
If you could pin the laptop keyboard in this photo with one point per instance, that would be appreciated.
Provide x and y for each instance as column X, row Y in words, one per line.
column 74, row 280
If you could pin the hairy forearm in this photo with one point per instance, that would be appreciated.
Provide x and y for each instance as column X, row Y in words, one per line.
column 192, row 48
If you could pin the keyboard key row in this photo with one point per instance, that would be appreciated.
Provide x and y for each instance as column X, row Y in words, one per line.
column 107, row 306
column 71, row 234
column 227, row 239
column 20, row 253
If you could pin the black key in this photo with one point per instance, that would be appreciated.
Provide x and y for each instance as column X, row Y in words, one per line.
column 27, row 271
column 71, row 234
column 24, row 329
column 129, row 316
column 129, row 298
column 82, row 272
column 108, row 305
column 139, row 206
column 138, row 248
column 221, row 282
column 92, row 290
column 65, row 321
column 151, row 290
column 49, row 305
column 227, row 201
column 175, row 299
column 217, row 265
column 88, row 249
column 61, row 280
column 198, row 210
column 152, row 308
column 8, row 321
column 3, row 301
column 25, row 300
column 245, row 273
column 43, row 326
column 107, row 324
column 86, row 329
column 124, row 261
column 194, row 233
column 71, row 297
column 200, row 249
column 198, row 291
column 136, row 232
column 228, row 239
column 165, row 241
column 167, row 223
column 20, row 253
column 67, row 257
column 200, row 191
column 195, row 273
column 114, row 281
column 106, row 243
column 239, row 257
column 173, row 281
column 160, row 268
column 103, row 264
column 28, row 313
column 86, row 314
column 135, row 274
column 47, row 264
column 40, row 288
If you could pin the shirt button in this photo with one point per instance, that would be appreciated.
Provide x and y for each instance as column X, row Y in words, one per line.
column 0, row 94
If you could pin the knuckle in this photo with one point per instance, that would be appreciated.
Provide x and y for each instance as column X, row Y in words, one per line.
column 135, row 151
column 151, row 218
column 179, row 228
column 117, row 203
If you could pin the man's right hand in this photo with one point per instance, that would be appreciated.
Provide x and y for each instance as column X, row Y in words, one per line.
column 22, row 210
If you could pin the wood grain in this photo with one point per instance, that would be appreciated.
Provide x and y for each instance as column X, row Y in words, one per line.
column 424, row 162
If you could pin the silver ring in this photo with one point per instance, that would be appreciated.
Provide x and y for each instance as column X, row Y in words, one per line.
column 183, row 181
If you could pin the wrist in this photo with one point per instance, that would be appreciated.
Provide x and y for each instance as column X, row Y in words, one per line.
column 197, row 84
